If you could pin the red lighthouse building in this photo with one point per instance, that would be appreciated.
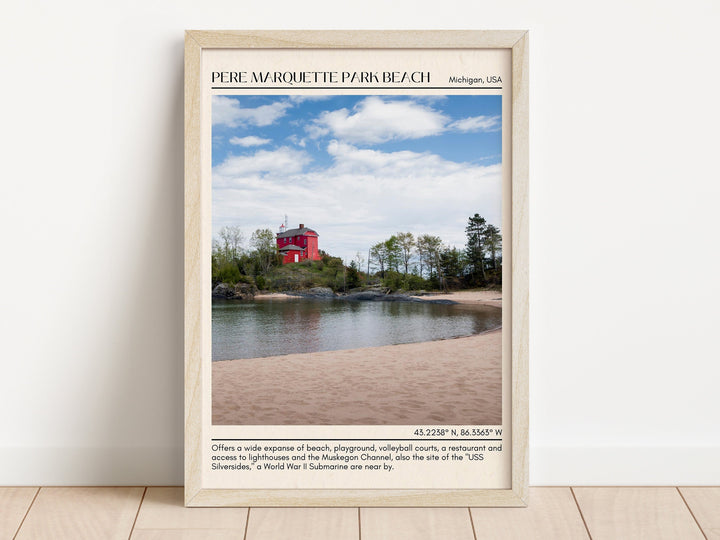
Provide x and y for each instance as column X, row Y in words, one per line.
column 297, row 245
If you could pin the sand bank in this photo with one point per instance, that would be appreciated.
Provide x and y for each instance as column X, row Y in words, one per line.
column 486, row 298
column 455, row 381
column 272, row 296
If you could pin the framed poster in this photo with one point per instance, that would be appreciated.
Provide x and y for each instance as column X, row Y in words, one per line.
column 356, row 268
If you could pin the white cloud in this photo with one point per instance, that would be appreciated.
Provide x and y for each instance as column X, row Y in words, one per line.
column 316, row 130
column 281, row 162
column 361, row 198
column 297, row 140
column 227, row 111
column 251, row 140
column 374, row 120
column 477, row 123
column 349, row 159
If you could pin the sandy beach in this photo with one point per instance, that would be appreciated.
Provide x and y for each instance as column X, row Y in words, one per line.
column 273, row 296
column 454, row 381
column 486, row 298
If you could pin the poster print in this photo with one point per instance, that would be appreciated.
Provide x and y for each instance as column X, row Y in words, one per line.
column 357, row 277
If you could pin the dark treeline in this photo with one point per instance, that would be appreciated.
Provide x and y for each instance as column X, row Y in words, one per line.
column 404, row 261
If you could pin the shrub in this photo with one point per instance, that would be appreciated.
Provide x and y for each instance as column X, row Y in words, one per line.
column 416, row 283
column 352, row 277
column 393, row 280
column 227, row 273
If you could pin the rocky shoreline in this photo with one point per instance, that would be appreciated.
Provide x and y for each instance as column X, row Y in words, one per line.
column 240, row 291
column 245, row 291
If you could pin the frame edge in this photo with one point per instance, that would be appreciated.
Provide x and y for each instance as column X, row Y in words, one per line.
column 192, row 268
column 517, row 41
column 357, row 39
column 520, row 267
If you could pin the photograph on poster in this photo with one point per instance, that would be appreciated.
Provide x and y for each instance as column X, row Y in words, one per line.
column 357, row 259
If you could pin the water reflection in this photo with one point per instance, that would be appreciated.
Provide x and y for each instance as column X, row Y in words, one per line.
column 269, row 328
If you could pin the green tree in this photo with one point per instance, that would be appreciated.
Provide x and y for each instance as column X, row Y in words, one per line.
column 352, row 277
column 475, row 247
column 231, row 239
column 393, row 253
column 451, row 262
column 264, row 248
column 406, row 246
column 226, row 251
column 428, row 248
column 493, row 241
column 378, row 255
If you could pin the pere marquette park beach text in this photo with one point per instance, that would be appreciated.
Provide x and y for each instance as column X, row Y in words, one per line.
column 340, row 77
column 316, row 77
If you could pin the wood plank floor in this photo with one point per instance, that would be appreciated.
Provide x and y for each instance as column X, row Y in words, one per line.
column 157, row 513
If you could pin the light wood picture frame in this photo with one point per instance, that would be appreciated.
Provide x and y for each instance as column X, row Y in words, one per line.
column 198, row 237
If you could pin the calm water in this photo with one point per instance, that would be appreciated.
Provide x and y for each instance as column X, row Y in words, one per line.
column 274, row 327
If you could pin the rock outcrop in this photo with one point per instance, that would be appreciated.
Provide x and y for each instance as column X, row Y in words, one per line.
column 241, row 291
column 314, row 292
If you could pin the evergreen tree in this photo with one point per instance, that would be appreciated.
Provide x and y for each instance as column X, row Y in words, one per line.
column 352, row 278
column 493, row 241
column 451, row 263
column 475, row 247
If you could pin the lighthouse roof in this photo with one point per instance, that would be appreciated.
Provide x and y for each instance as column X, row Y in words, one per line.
column 297, row 232
column 291, row 247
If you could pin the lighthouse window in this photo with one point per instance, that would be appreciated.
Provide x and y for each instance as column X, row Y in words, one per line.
column 304, row 241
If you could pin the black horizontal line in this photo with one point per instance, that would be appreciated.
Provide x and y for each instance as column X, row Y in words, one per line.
column 376, row 440
column 356, row 87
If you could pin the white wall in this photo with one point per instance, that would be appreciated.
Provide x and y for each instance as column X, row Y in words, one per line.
column 624, row 198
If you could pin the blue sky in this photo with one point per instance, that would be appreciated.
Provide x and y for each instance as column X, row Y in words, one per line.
column 357, row 169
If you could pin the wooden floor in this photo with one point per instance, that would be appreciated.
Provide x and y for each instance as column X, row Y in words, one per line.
column 157, row 513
